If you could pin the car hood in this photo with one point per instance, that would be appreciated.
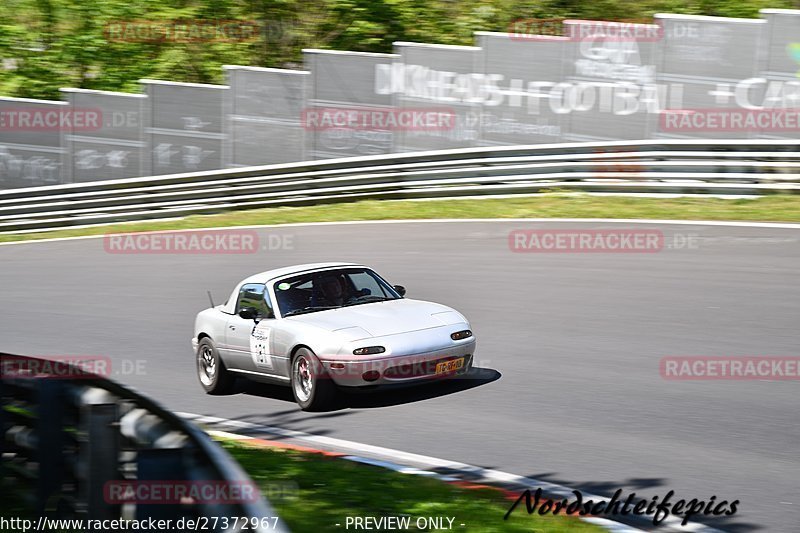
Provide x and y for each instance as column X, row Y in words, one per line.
column 379, row 319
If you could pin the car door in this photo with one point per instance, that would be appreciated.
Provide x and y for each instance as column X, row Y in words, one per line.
column 248, row 340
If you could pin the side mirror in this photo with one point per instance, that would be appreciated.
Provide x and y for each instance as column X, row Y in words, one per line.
column 248, row 313
column 400, row 290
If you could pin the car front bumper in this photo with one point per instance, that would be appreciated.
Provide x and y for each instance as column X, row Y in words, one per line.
column 401, row 368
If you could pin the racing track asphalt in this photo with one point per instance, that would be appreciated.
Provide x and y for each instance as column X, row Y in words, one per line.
column 571, row 344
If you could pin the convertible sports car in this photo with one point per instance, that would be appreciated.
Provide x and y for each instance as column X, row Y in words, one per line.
column 319, row 326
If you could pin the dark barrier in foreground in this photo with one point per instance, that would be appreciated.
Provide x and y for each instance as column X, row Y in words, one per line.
column 78, row 446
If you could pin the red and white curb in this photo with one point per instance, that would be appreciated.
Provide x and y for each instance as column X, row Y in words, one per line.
column 415, row 464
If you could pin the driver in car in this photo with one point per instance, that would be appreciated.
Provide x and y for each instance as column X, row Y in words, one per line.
column 332, row 291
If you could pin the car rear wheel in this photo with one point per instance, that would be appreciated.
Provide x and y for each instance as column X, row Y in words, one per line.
column 312, row 387
column 211, row 371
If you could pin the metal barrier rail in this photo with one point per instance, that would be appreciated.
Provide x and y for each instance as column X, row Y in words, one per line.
column 750, row 167
column 66, row 433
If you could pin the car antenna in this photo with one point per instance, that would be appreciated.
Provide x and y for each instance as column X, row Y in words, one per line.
column 210, row 299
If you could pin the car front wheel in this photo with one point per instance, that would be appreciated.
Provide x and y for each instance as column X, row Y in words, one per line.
column 211, row 371
column 312, row 387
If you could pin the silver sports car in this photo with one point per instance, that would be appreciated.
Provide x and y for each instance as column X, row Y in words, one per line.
column 316, row 327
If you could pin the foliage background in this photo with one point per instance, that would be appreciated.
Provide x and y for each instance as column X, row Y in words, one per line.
column 48, row 44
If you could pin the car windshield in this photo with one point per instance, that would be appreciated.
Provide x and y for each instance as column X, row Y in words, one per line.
column 331, row 289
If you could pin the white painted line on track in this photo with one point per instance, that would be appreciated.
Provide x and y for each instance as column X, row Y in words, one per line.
column 732, row 223
column 398, row 467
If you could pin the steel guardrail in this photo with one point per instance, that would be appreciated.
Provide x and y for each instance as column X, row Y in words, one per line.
column 66, row 433
column 721, row 167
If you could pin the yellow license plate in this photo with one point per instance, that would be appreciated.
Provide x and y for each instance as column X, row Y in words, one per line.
column 450, row 366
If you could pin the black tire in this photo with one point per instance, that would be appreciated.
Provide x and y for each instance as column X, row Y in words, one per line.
column 312, row 387
column 214, row 377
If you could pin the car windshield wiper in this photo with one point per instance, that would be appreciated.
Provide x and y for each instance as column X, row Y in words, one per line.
column 369, row 299
column 309, row 309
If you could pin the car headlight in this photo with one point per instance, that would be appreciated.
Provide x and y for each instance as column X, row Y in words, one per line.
column 369, row 350
column 458, row 335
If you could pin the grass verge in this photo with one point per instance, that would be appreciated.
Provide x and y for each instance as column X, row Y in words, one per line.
column 779, row 208
column 328, row 490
